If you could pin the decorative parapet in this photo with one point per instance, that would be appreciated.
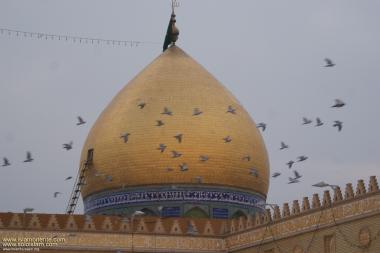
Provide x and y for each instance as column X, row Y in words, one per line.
column 338, row 196
column 172, row 234
column 364, row 203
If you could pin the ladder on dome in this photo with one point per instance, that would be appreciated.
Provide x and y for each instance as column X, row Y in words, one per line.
column 79, row 182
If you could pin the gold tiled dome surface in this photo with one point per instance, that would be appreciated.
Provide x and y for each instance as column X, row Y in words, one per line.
column 176, row 81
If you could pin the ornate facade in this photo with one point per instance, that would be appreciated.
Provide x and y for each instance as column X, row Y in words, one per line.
column 347, row 222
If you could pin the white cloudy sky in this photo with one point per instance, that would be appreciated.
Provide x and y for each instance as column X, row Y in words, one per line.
column 268, row 53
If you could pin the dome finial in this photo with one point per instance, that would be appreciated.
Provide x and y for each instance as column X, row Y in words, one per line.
column 172, row 31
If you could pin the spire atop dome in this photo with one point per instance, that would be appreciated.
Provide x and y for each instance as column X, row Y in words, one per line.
column 172, row 31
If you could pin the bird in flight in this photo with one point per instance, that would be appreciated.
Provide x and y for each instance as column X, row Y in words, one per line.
column 167, row 111
column 178, row 137
column 338, row 103
column 253, row 172
column 290, row 163
column 203, row 158
column 196, row 112
column 227, row 139
column 324, row 184
column 125, row 137
column 246, row 158
column 162, row 147
column 56, row 194
column 306, row 121
column 283, row 145
column 68, row 178
column 80, row 121
column 338, row 124
column 329, row 63
column 5, row 162
column 262, row 125
column 28, row 157
column 183, row 167
column 276, row 174
column 302, row 158
column 293, row 180
column 141, row 104
column 159, row 123
column 296, row 174
column 68, row 146
column 231, row 110
column 109, row 178
column 319, row 122
column 176, row 154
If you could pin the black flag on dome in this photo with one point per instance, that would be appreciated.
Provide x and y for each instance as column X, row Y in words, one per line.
column 171, row 33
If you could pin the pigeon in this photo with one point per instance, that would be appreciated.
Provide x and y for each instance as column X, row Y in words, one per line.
column 254, row 172
column 159, row 123
column 80, row 121
column 162, row 147
column 178, row 137
column 262, row 125
column 324, row 184
column 167, row 112
column 176, row 154
column 319, row 122
column 296, row 175
column 276, row 174
column 68, row 146
column 203, row 158
column 197, row 112
column 293, row 180
column 183, row 167
column 28, row 157
column 290, row 163
column 68, row 178
column 302, row 158
column 338, row 124
column 329, row 63
column 5, row 162
column 28, row 210
column 338, row 103
column 306, row 121
column 198, row 179
column 125, row 137
column 141, row 105
column 283, row 145
column 56, row 194
column 246, row 158
column 227, row 139
column 231, row 110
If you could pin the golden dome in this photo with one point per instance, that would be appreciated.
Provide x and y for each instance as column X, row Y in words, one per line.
column 175, row 81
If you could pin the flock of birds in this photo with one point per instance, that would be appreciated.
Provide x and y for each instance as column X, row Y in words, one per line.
column 306, row 121
column 202, row 158
column 179, row 138
column 29, row 158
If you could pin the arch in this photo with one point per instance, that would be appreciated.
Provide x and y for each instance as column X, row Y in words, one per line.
column 196, row 212
column 238, row 214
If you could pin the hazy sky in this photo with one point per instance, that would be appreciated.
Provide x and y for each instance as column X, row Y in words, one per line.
column 268, row 53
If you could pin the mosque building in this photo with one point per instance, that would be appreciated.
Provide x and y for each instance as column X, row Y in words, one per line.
column 175, row 164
